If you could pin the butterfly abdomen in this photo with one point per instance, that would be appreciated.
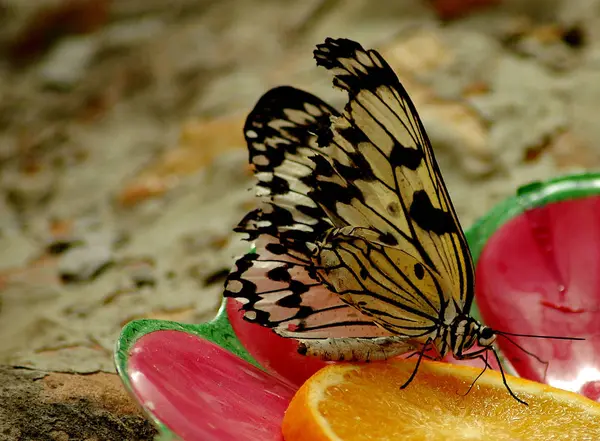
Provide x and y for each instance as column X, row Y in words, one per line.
column 355, row 349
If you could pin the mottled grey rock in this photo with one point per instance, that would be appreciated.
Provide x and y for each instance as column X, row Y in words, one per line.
column 86, row 261
column 66, row 64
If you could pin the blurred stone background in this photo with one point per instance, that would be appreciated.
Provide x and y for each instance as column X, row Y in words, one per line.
column 123, row 166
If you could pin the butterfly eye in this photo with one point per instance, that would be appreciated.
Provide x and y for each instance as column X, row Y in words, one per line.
column 486, row 333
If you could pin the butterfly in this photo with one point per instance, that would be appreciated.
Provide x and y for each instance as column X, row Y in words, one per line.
column 359, row 252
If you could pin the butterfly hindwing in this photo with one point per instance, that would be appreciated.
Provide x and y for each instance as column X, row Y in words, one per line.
column 399, row 191
column 282, row 295
column 281, row 134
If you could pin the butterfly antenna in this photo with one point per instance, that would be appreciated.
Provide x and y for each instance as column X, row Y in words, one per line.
column 553, row 337
column 531, row 354
column 504, row 379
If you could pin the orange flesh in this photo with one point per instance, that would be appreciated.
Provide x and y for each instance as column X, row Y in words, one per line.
column 351, row 403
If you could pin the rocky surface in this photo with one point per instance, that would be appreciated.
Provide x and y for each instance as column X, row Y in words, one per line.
column 123, row 166
column 61, row 407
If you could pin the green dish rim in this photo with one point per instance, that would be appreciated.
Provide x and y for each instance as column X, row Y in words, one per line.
column 219, row 329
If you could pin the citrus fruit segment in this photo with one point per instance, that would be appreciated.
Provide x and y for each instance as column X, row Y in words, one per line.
column 351, row 402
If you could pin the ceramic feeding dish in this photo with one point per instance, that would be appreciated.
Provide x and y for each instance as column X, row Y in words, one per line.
column 538, row 272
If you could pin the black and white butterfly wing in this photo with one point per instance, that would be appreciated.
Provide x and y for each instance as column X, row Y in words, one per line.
column 277, row 285
column 281, row 136
column 391, row 183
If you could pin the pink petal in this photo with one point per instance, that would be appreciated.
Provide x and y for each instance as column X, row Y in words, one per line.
column 204, row 393
column 540, row 274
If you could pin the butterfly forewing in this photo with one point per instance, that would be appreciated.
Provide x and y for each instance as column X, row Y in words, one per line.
column 280, row 133
column 400, row 192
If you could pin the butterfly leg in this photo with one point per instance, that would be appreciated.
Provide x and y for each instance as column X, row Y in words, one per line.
column 504, row 379
column 486, row 365
column 355, row 349
column 414, row 372
column 428, row 357
column 478, row 354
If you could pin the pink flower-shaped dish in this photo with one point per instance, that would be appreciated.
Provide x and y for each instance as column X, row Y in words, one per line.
column 538, row 272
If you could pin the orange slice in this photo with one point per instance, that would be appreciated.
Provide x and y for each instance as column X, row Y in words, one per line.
column 351, row 402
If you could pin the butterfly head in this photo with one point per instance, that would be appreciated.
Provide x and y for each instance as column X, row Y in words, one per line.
column 478, row 333
column 467, row 331
column 485, row 336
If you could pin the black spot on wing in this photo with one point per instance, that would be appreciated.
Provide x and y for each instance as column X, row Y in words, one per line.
column 313, row 212
column 276, row 186
column 279, row 274
column 291, row 301
column 363, row 273
column 303, row 312
column 419, row 271
column 353, row 135
column 406, row 156
column 326, row 192
column 429, row 218
column 348, row 172
column 323, row 132
column 393, row 208
column 298, row 287
column 358, row 169
column 322, row 167
column 243, row 264
column 329, row 193
column 363, row 166
column 388, row 239
column 276, row 248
